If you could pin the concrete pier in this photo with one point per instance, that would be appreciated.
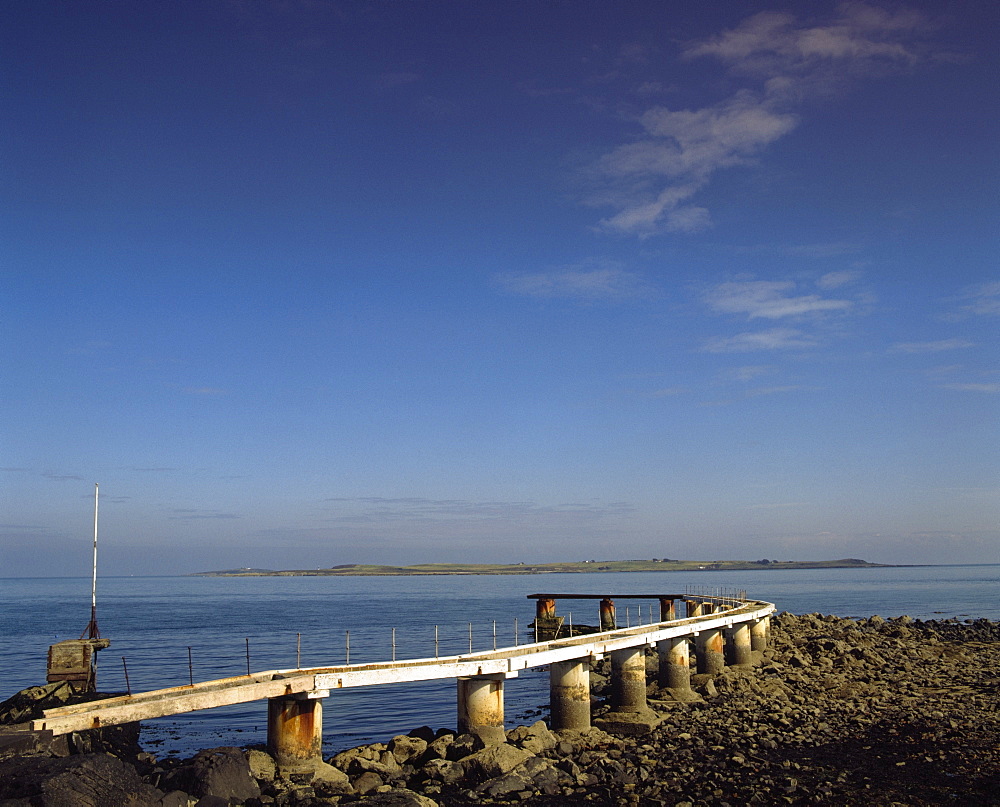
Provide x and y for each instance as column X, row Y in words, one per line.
column 629, row 714
column 628, row 680
column 738, row 648
column 674, row 671
column 668, row 610
column 759, row 631
column 480, row 702
column 709, row 651
column 295, row 695
column 295, row 731
column 569, row 694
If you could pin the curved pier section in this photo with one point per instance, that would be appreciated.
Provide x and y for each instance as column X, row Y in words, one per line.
column 723, row 630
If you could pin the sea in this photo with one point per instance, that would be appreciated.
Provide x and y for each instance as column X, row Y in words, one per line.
column 169, row 631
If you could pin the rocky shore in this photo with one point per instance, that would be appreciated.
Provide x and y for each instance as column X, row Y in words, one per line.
column 836, row 711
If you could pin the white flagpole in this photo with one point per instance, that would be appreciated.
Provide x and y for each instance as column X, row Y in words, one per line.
column 91, row 630
column 93, row 588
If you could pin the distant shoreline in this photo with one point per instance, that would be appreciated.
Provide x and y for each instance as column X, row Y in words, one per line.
column 578, row 567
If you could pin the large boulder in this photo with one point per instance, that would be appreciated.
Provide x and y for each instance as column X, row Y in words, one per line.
column 399, row 798
column 223, row 772
column 535, row 738
column 82, row 780
column 28, row 704
column 495, row 761
column 406, row 748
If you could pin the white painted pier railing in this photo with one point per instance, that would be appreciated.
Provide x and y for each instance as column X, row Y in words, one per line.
column 295, row 696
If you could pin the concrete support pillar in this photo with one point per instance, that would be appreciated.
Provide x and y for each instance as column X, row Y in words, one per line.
column 480, row 702
column 569, row 694
column 608, row 614
column 668, row 610
column 295, row 731
column 759, row 633
column 692, row 608
column 545, row 608
column 675, row 663
column 628, row 680
column 738, row 649
column 709, row 651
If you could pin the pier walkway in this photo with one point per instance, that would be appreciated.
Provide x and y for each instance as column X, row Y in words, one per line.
column 725, row 630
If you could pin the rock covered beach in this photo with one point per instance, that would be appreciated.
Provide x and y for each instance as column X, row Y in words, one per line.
column 835, row 711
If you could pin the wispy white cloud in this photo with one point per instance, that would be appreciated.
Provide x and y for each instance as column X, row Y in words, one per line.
column 378, row 509
column 982, row 300
column 938, row 346
column 192, row 514
column 769, row 300
column 780, row 390
column 668, row 392
column 988, row 388
column 651, row 180
column 773, row 339
column 682, row 148
column 58, row 477
column 590, row 281
column 861, row 40
column 748, row 372
column 834, row 280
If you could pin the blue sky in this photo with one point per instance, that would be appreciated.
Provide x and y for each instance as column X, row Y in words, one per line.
column 305, row 283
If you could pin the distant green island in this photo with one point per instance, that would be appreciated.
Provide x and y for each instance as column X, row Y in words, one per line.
column 578, row 567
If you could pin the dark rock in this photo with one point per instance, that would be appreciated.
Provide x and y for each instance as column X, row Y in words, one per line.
column 407, row 747
column 400, row 798
column 83, row 780
column 464, row 745
column 495, row 761
column 221, row 772
column 366, row 782
column 28, row 704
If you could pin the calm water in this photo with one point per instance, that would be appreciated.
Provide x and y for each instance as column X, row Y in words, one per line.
column 152, row 622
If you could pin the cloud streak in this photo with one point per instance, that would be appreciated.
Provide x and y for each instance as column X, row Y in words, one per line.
column 377, row 509
column 773, row 339
column 938, row 346
column 592, row 282
column 651, row 180
column 769, row 300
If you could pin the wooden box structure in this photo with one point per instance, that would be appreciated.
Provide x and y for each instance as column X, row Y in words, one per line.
column 75, row 661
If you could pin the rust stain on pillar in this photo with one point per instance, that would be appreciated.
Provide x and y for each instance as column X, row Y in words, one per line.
column 692, row 608
column 738, row 650
column 668, row 610
column 675, row 663
column 608, row 614
column 545, row 608
column 480, row 703
column 295, row 730
column 758, row 634
column 709, row 649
